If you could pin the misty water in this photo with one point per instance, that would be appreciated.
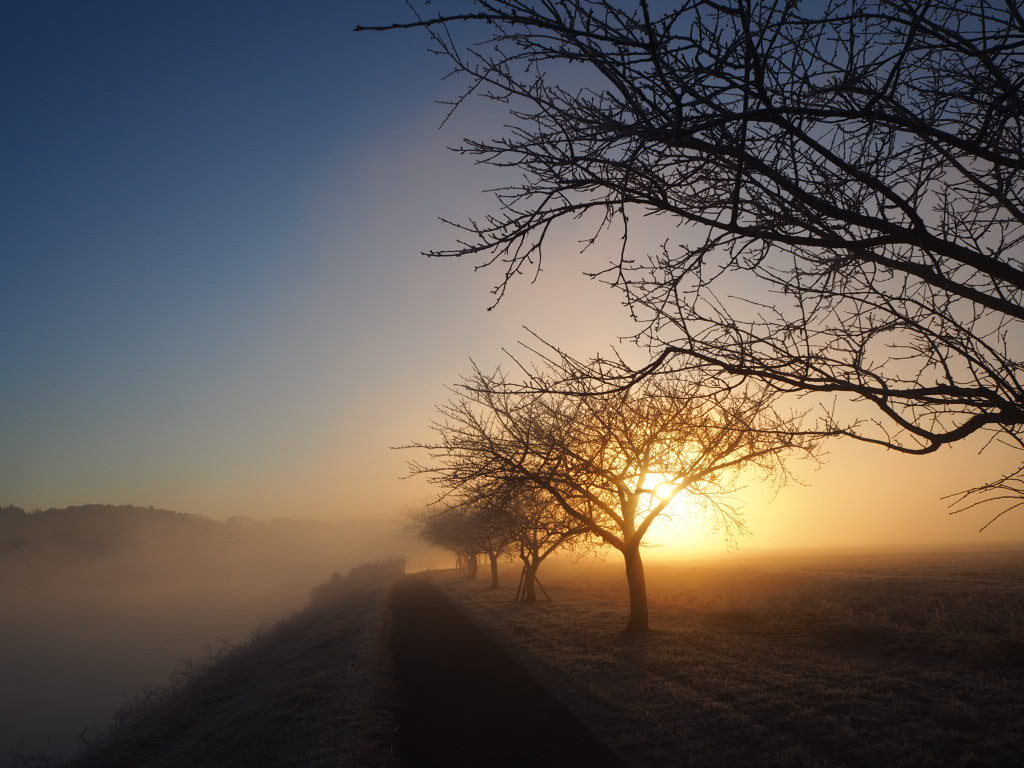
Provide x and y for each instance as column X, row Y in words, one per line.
column 99, row 606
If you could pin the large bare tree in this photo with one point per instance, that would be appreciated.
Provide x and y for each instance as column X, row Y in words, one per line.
column 613, row 462
column 839, row 184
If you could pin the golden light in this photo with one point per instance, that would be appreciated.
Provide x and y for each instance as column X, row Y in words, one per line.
column 678, row 522
column 662, row 487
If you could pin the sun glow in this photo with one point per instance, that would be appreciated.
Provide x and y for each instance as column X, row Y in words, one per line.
column 661, row 487
column 680, row 520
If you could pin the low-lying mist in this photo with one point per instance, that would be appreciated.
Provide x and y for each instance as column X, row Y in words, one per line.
column 98, row 603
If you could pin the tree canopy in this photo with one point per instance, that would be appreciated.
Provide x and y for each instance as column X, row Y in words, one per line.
column 839, row 184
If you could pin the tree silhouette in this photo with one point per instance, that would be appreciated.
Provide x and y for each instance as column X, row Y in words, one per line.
column 613, row 462
column 537, row 527
column 848, row 174
column 452, row 528
column 489, row 526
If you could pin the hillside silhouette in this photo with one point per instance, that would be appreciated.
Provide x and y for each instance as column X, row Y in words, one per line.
column 158, row 540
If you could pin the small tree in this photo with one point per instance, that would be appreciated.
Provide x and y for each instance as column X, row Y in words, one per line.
column 537, row 527
column 495, row 539
column 489, row 526
column 612, row 462
column 448, row 528
column 475, row 525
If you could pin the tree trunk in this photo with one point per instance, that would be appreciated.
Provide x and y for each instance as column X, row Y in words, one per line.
column 638, row 618
column 530, row 583
column 471, row 567
column 494, row 569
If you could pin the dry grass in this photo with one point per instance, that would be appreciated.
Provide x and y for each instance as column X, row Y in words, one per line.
column 842, row 662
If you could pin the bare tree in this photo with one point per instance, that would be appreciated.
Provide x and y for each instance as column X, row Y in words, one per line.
column 450, row 528
column 499, row 518
column 848, row 174
column 478, row 522
column 613, row 462
column 537, row 527
column 494, row 535
column 489, row 524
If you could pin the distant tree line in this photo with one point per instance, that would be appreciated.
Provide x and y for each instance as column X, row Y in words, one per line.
column 117, row 541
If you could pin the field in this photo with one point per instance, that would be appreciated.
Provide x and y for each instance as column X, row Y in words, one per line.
column 841, row 661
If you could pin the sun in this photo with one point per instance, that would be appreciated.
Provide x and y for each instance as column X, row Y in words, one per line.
column 663, row 486
column 676, row 522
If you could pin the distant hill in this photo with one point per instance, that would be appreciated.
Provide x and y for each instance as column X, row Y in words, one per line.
column 92, row 530
column 151, row 540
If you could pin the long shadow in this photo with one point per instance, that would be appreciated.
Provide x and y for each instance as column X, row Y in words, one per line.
column 465, row 702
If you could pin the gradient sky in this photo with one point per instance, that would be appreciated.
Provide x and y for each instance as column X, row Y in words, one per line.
column 212, row 298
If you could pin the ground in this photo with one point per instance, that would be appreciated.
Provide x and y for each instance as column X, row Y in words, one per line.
column 802, row 662
column 463, row 701
column 811, row 662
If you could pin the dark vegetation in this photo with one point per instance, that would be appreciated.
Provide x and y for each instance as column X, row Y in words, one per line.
column 121, row 540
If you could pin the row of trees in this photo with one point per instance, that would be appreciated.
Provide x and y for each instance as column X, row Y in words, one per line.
column 841, row 188
column 529, row 467
column 507, row 519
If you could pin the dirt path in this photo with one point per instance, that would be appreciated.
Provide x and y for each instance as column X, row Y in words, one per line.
column 464, row 702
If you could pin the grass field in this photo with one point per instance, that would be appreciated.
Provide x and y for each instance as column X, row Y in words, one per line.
column 841, row 661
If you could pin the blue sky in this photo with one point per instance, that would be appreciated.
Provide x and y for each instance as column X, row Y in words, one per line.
column 212, row 297
column 161, row 165
column 211, row 293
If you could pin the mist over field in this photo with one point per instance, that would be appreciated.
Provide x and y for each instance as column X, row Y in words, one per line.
column 101, row 603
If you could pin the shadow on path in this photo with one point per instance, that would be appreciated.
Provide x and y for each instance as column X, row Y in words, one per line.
column 463, row 701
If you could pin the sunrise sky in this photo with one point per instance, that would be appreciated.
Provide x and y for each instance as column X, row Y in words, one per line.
column 212, row 294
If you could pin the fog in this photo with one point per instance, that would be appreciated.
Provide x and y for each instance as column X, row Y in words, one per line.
column 100, row 603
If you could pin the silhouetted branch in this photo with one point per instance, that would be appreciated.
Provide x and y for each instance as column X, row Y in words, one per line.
column 839, row 186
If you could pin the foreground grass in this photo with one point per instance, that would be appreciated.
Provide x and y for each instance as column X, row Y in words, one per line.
column 851, row 662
